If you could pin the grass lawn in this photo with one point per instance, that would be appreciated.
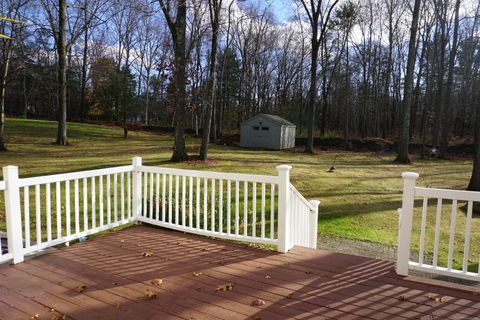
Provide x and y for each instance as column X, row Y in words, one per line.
column 359, row 200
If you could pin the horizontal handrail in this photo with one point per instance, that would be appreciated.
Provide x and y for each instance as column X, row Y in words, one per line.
column 448, row 194
column 302, row 198
column 211, row 174
column 25, row 182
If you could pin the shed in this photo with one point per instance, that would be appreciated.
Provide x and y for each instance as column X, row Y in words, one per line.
column 267, row 131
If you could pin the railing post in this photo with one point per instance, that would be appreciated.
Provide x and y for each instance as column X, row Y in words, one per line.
column 405, row 224
column 13, row 213
column 314, row 224
column 137, row 187
column 283, row 208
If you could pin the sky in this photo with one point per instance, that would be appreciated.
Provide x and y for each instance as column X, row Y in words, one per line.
column 281, row 8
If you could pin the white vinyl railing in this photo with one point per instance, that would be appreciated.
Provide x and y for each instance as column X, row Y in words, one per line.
column 453, row 239
column 50, row 210
column 303, row 213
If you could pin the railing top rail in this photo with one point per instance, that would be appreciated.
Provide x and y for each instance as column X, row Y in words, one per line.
column 2, row 185
column 24, row 182
column 302, row 198
column 449, row 194
column 211, row 174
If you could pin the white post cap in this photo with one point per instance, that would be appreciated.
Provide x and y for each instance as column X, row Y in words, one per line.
column 284, row 167
column 410, row 175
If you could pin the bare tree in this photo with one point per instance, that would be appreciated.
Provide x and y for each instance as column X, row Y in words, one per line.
column 178, row 25
column 403, row 155
column 214, row 7
column 318, row 15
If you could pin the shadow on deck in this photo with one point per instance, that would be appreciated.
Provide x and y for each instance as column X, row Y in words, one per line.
column 305, row 283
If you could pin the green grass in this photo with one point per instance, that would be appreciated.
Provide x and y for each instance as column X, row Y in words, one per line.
column 359, row 200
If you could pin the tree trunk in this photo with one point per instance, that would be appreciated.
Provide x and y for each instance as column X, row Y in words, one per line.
column 312, row 93
column 474, row 184
column 62, row 75
column 403, row 156
column 179, row 151
column 451, row 64
column 214, row 6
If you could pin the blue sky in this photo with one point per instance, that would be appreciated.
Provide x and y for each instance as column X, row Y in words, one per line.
column 281, row 8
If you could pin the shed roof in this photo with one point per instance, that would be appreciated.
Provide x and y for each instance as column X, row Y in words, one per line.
column 274, row 118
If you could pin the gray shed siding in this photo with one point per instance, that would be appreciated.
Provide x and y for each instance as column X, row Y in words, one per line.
column 254, row 135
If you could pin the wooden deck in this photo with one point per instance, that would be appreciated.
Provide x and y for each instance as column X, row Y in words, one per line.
column 304, row 284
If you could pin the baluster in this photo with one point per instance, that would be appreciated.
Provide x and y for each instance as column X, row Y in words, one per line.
column 58, row 201
column 67, row 208
column 437, row 233
column 263, row 211
column 129, row 194
column 272, row 211
column 452, row 234
column 100, row 199
column 245, row 208
column 205, row 203
column 220, row 205
column 109, row 201
column 237, row 207
column 38, row 218
column 145, row 189
column 77, row 206
column 197, row 213
column 122, row 195
column 151, row 197
column 157, row 197
column 170, row 197
column 190, row 202
column 466, row 246
column 212, row 204
column 422, row 230
column 115, row 197
column 26, row 211
column 177, row 191
column 85, row 205
column 94, row 213
column 229, row 205
column 164, row 187
column 254, row 209
column 49, row 213
column 183, row 200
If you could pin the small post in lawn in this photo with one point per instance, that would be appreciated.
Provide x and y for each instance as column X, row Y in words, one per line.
column 13, row 213
column 283, row 208
column 405, row 225
column 137, row 187
column 314, row 224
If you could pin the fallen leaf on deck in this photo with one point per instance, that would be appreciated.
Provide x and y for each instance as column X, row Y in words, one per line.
column 257, row 302
column 290, row 296
column 52, row 308
column 57, row 317
column 149, row 294
column 401, row 298
column 157, row 282
column 35, row 316
column 436, row 298
column 225, row 287
column 122, row 241
column 197, row 274
column 147, row 254
column 267, row 277
column 80, row 289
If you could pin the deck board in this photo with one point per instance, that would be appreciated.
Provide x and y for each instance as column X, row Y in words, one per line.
column 303, row 284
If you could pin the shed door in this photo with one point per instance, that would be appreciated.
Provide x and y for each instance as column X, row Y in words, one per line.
column 261, row 134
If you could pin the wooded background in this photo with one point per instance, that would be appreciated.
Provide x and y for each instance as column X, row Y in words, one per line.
column 120, row 58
